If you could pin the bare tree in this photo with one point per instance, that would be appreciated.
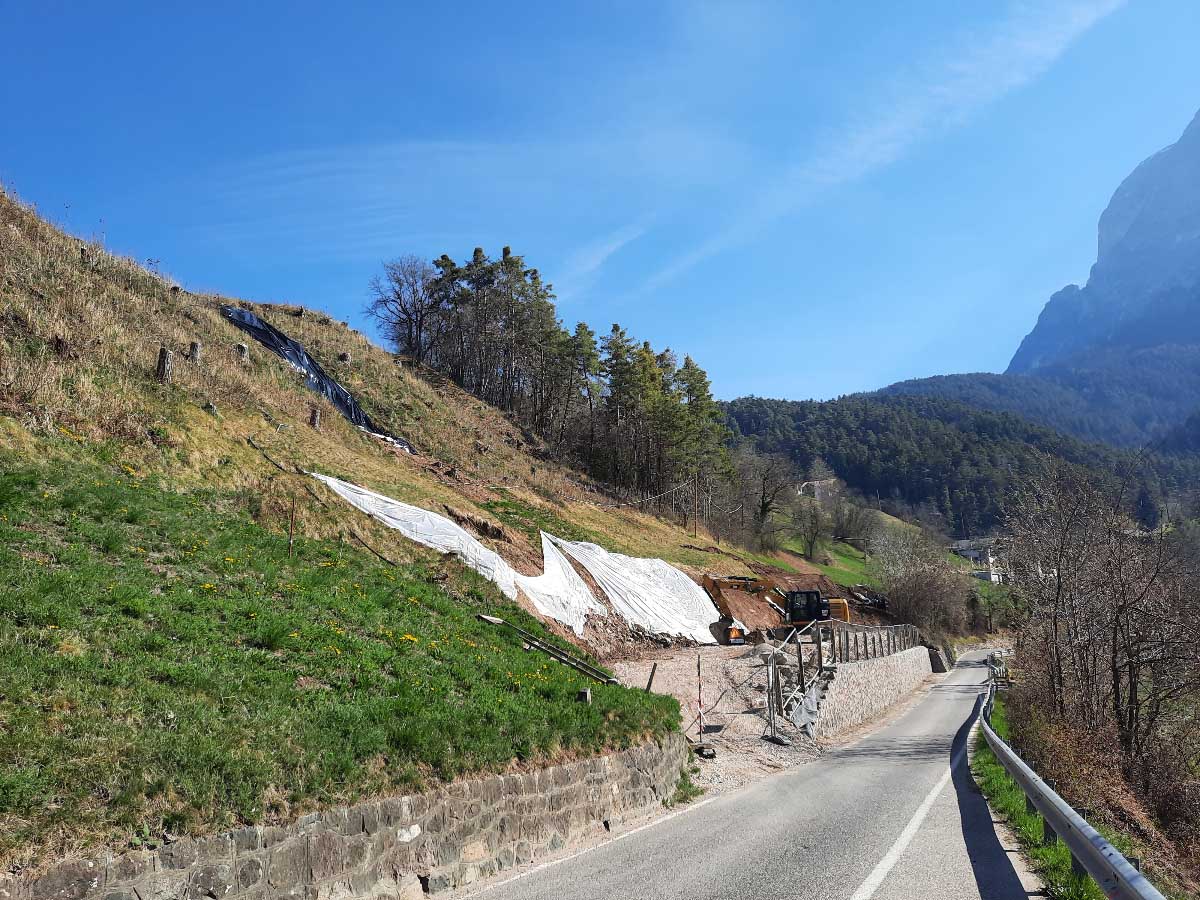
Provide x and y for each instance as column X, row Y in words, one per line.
column 811, row 524
column 405, row 305
column 922, row 586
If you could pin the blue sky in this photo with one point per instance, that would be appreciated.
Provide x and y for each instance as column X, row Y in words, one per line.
column 810, row 198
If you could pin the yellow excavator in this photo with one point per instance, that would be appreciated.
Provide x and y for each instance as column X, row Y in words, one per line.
column 758, row 603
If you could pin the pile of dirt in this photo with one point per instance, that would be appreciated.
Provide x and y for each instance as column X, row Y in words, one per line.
column 806, row 582
column 751, row 610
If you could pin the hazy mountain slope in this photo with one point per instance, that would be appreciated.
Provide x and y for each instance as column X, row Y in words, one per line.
column 1117, row 360
column 1125, row 397
column 1143, row 287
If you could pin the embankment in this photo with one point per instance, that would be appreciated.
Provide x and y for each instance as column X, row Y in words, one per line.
column 400, row 848
column 860, row 691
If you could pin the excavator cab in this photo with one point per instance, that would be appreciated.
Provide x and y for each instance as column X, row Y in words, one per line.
column 806, row 606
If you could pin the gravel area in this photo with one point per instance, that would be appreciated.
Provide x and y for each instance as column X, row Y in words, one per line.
column 733, row 688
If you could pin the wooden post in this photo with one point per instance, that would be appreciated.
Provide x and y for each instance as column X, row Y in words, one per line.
column 650, row 680
column 699, row 697
column 194, row 352
column 163, row 371
column 314, row 418
column 292, row 526
column 820, row 653
column 243, row 352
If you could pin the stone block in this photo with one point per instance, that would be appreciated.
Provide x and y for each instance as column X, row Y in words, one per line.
column 327, row 855
column 249, row 873
column 162, row 886
column 68, row 881
column 370, row 818
column 130, row 866
column 247, row 840
column 288, row 864
column 12, row 888
column 180, row 854
column 214, row 881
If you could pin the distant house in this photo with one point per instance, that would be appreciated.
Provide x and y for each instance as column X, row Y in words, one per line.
column 982, row 552
column 821, row 491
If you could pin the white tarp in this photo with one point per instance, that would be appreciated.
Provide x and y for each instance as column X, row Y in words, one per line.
column 558, row 593
column 649, row 592
column 430, row 529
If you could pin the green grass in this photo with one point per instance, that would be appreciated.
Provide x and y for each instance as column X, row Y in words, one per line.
column 164, row 664
column 686, row 790
column 849, row 566
column 1053, row 863
column 532, row 519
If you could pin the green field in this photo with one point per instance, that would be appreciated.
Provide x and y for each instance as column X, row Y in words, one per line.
column 166, row 664
column 848, row 567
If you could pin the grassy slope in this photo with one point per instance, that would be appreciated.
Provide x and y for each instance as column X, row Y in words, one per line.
column 163, row 663
column 166, row 664
column 97, row 386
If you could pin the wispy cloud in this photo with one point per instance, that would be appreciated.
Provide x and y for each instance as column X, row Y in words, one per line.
column 977, row 71
column 581, row 266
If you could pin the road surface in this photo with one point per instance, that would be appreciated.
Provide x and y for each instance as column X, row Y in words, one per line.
column 894, row 816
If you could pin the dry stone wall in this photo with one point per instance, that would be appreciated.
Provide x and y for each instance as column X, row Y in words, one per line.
column 399, row 848
column 863, row 690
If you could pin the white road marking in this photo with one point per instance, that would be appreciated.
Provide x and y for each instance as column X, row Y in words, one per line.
column 867, row 889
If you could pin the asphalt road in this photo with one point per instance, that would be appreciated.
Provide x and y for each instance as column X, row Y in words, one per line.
column 887, row 817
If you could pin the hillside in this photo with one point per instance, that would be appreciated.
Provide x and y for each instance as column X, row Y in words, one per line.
column 80, row 331
column 163, row 635
column 1117, row 360
column 931, row 457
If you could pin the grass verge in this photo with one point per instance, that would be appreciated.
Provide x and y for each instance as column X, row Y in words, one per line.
column 686, row 790
column 167, row 664
column 1053, row 863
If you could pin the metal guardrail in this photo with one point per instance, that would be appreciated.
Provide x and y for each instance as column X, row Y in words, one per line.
column 1090, row 852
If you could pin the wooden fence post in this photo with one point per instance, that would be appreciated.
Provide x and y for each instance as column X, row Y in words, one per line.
column 314, row 418
column 194, row 352
column 163, row 371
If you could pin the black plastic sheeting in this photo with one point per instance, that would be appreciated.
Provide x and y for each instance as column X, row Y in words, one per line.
column 316, row 378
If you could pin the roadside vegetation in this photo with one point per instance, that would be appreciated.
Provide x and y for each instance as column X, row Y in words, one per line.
column 1107, row 704
column 1053, row 862
column 166, row 664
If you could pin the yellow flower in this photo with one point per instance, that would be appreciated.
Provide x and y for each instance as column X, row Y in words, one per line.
column 409, row 637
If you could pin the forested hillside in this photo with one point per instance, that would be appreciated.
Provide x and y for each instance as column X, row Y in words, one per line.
column 934, row 458
column 1125, row 397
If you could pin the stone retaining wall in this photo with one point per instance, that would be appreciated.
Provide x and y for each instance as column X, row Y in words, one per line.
column 399, row 848
column 863, row 690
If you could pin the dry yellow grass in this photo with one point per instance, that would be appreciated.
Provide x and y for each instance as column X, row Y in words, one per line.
column 80, row 332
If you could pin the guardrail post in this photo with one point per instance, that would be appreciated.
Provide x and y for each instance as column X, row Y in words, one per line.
column 1029, row 807
column 1049, row 835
